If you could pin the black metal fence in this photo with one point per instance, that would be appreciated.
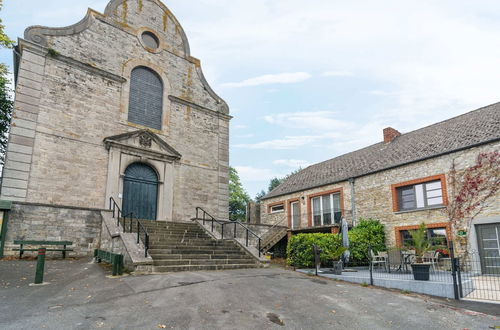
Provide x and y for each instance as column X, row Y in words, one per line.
column 480, row 275
column 473, row 275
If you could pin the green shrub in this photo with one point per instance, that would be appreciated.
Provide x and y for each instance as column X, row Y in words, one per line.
column 300, row 251
column 367, row 232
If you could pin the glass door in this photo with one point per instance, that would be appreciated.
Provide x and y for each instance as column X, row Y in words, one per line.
column 295, row 215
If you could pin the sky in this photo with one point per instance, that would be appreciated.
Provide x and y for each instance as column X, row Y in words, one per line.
column 310, row 80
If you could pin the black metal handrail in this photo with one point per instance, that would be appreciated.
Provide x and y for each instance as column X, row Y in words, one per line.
column 113, row 206
column 213, row 220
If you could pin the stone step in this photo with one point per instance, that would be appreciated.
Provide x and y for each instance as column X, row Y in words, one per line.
column 192, row 247
column 167, row 256
column 175, row 233
column 201, row 267
column 175, row 245
column 168, row 225
column 175, row 236
column 188, row 250
column 176, row 262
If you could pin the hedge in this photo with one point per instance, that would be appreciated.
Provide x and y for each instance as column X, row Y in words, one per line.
column 368, row 232
column 300, row 251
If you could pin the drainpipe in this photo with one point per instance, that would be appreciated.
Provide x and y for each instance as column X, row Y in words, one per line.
column 353, row 201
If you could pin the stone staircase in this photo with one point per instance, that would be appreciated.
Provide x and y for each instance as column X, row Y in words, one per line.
column 273, row 236
column 179, row 246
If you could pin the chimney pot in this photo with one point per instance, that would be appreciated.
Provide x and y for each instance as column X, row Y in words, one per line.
column 390, row 134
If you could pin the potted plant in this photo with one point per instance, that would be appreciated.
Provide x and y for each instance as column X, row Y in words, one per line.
column 334, row 254
column 421, row 244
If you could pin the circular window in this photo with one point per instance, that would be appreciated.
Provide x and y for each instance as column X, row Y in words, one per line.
column 150, row 40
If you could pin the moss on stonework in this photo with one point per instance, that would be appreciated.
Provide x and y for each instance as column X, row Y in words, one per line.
column 165, row 21
column 124, row 11
column 52, row 52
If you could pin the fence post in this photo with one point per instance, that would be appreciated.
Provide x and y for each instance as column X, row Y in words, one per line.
column 454, row 271
column 247, row 238
column 40, row 265
column 137, row 232
column 222, row 231
column 460, row 289
column 235, row 229
column 370, row 267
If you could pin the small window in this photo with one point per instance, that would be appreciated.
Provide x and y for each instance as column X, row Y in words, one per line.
column 150, row 40
column 419, row 196
column 277, row 208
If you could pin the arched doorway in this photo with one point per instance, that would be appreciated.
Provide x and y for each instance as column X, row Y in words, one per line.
column 140, row 191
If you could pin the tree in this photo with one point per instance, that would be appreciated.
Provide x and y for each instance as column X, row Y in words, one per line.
column 273, row 183
column 259, row 195
column 238, row 197
column 471, row 189
column 6, row 103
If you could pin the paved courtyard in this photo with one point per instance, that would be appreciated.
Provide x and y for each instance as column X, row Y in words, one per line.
column 81, row 296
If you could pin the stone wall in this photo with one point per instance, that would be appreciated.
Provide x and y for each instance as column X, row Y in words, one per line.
column 29, row 221
column 73, row 91
column 373, row 194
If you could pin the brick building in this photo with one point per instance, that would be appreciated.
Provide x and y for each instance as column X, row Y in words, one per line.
column 401, row 181
column 112, row 106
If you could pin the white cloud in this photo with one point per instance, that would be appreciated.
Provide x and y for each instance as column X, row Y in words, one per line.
column 253, row 174
column 294, row 163
column 239, row 126
column 314, row 120
column 288, row 142
column 267, row 79
column 337, row 74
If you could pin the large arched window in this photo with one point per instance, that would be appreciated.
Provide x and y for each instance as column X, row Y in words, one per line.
column 146, row 98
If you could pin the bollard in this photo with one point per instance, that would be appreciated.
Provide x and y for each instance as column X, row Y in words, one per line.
column 40, row 265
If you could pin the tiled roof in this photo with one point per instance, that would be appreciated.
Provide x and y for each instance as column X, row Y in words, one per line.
column 464, row 131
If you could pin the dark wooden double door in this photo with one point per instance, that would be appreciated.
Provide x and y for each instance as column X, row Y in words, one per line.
column 140, row 191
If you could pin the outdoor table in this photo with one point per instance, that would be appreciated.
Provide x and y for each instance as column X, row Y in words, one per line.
column 407, row 258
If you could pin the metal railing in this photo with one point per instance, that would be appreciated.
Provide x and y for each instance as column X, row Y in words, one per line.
column 121, row 219
column 207, row 217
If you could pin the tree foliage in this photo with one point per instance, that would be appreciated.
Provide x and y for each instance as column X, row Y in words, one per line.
column 238, row 197
column 273, row 183
column 368, row 232
column 6, row 102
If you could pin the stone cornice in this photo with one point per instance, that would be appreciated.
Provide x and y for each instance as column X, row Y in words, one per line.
column 140, row 151
column 44, row 51
column 199, row 107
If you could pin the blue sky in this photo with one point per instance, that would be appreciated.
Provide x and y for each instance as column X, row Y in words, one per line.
column 309, row 80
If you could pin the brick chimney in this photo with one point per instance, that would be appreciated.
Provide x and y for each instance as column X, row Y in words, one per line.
column 390, row 134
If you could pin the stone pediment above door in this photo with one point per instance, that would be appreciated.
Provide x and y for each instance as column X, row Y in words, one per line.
column 142, row 143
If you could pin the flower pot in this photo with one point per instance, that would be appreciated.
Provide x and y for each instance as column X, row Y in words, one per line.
column 337, row 267
column 421, row 271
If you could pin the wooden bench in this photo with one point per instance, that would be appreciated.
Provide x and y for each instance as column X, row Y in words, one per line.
column 115, row 259
column 21, row 249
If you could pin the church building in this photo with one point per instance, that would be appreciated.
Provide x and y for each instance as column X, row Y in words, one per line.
column 112, row 108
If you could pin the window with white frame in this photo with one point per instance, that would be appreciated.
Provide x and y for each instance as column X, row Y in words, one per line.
column 326, row 209
column 419, row 196
column 277, row 208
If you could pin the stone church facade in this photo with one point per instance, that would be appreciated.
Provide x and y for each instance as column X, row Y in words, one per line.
column 114, row 106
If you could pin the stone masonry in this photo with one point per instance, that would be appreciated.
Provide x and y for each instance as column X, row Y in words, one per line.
column 72, row 92
column 71, row 141
column 373, row 195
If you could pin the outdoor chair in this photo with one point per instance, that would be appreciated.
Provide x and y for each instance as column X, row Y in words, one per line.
column 379, row 259
column 395, row 260
column 432, row 257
